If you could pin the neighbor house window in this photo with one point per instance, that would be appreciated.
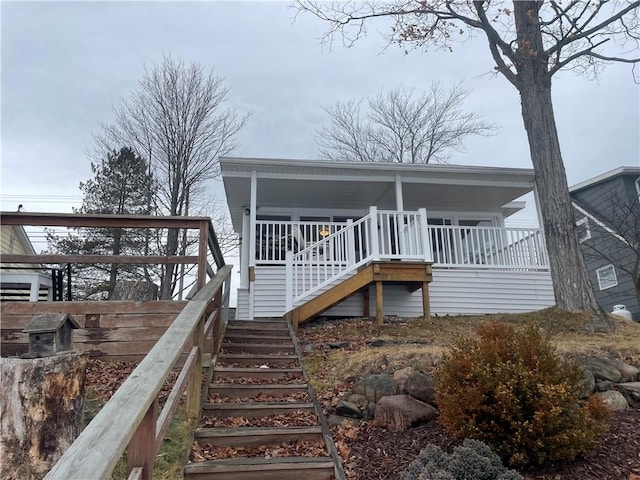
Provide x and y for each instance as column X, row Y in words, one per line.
column 607, row 277
column 582, row 226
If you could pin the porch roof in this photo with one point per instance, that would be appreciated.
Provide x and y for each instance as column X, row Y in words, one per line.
column 329, row 185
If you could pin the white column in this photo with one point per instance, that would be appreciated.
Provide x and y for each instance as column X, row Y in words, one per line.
column 374, row 247
column 244, row 248
column 399, row 199
column 252, row 218
column 424, row 232
column 289, row 282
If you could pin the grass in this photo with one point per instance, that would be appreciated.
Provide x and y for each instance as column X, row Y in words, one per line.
column 422, row 343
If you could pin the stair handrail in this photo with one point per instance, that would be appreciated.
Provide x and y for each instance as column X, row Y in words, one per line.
column 328, row 270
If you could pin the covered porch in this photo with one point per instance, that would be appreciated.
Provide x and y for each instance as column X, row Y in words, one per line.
column 308, row 226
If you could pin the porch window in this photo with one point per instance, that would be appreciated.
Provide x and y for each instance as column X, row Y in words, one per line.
column 606, row 277
column 584, row 233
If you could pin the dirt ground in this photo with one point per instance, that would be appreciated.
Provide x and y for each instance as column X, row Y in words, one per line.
column 371, row 453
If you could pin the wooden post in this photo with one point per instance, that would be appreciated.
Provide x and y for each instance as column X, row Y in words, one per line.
column 365, row 302
column 203, row 246
column 142, row 447
column 195, row 382
column 41, row 411
column 426, row 308
column 379, row 309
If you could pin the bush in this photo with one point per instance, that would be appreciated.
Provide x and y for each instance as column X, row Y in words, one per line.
column 510, row 390
column 472, row 461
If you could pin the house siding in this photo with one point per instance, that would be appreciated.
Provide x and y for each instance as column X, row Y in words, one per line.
column 453, row 292
column 597, row 201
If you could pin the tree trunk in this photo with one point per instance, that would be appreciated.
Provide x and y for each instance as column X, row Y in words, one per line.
column 571, row 284
column 138, row 290
column 42, row 412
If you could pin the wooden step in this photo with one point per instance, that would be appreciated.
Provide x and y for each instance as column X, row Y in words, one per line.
column 243, row 391
column 254, row 436
column 254, row 409
column 259, row 324
column 256, row 359
column 243, row 338
column 261, row 348
column 278, row 468
column 251, row 372
column 279, row 329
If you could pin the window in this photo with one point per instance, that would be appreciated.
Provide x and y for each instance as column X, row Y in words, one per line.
column 607, row 277
column 584, row 233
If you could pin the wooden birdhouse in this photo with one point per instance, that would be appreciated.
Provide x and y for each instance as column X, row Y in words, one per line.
column 50, row 333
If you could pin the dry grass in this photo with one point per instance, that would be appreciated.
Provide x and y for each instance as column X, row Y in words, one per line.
column 422, row 343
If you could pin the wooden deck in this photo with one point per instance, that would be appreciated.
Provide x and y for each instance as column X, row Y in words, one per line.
column 414, row 275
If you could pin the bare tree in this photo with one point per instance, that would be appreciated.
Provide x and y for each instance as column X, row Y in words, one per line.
column 177, row 118
column 401, row 127
column 529, row 42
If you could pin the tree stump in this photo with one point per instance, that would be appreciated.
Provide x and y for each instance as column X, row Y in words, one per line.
column 41, row 412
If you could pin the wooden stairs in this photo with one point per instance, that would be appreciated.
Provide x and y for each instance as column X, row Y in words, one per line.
column 260, row 416
column 414, row 275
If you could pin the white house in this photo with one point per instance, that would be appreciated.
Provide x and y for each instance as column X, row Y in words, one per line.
column 344, row 239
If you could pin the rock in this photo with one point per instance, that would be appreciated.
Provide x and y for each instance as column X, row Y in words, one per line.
column 374, row 387
column 589, row 382
column 377, row 343
column 348, row 409
column 629, row 372
column 604, row 385
column 338, row 345
column 399, row 412
column 400, row 377
column 421, row 386
column 631, row 392
column 334, row 420
column 602, row 369
column 614, row 400
column 370, row 412
column 308, row 348
column 359, row 400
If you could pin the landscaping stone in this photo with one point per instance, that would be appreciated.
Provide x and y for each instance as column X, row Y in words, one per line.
column 348, row 409
column 374, row 387
column 614, row 400
column 338, row 345
column 399, row 412
column 359, row 400
column 631, row 392
column 421, row 386
column 589, row 382
column 629, row 372
column 602, row 369
column 400, row 377
column 604, row 385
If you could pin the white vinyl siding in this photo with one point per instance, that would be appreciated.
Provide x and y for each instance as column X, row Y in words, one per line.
column 606, row 277
column 452, row 292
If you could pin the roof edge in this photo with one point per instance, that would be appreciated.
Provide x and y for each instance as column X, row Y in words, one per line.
column 605, row 176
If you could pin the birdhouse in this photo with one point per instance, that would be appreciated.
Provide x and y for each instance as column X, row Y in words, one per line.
column 50, row 333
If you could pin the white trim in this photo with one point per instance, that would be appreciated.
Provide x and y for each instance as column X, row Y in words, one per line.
column 606, row 176
column 637, row 182
column 613, row 271
column 399, row 201
column 585, row 221
column 599, row 223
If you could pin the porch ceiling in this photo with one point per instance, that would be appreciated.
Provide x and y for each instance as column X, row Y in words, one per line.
column 290, row 184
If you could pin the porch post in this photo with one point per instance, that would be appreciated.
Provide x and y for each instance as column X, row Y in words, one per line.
column 399, row 199
column 374, row 247
column 252, row 242
column 351, row 244
column 288, row 284
column 244, row 249
column 424, row 233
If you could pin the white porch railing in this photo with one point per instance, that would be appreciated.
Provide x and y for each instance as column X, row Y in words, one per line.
column 398, row 236
column 317, row 254
column 488, row 247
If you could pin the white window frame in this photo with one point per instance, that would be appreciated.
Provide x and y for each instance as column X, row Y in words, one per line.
column 599, row 272
column 583, row 221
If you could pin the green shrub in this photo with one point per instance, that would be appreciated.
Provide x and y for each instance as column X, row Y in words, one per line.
column 510, row 390
column 472, row 461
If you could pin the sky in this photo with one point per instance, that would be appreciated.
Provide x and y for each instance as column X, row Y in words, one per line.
column 66, row 64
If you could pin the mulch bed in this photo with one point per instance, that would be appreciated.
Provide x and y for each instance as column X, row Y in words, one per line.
column 297, row 418
column 370, row 453
column 205, row 451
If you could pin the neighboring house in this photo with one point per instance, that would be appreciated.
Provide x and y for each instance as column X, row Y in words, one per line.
column 607, row 213
column 21, row 281
column 398, row 239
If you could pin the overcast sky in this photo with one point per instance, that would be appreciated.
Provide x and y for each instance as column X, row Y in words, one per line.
column 65, row 64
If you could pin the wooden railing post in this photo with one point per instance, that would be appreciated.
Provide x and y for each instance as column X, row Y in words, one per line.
column 142, row 447
column 203, row 247
column 424, row 232
column 195, row 383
